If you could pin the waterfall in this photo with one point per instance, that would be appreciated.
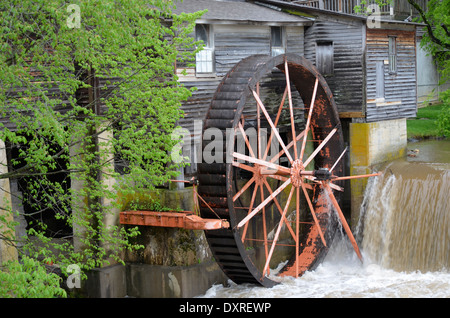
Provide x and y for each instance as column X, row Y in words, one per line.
column 405, row 218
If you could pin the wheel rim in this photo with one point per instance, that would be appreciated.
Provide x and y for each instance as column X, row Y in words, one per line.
column 278, row 200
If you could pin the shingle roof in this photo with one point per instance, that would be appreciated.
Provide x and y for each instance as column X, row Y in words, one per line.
column 238, row 11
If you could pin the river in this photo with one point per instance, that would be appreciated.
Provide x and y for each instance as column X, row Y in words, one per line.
column 404, row 236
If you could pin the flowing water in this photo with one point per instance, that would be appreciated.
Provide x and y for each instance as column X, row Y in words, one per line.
column 404, row 236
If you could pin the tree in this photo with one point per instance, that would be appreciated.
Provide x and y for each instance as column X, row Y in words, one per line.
column 84, row 84
column 437, row 21
column 437, row 38
column 436, row 41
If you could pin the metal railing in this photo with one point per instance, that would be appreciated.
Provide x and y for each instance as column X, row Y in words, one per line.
column 401, row 7
column 344, row 6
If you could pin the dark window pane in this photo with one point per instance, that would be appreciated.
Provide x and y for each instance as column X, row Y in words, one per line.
column 202, row 33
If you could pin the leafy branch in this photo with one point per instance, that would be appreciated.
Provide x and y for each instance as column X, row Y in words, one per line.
column 431, row 27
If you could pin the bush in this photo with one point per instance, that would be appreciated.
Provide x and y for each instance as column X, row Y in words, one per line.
column 29, row 279
column 443, row 120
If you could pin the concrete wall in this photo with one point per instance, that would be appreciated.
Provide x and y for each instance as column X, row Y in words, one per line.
column 371, row 144
column 172, row 281
column 428, row 77
column 151, row 281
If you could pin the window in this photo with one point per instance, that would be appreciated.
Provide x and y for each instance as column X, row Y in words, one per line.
column 204, row 59
column 392, row 54
column 325, row 58
column 379, row 80
column 277, row 43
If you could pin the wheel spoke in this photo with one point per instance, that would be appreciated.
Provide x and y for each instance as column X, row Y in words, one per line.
column 356, row 177
column 311, row 208
column 268, row 173
column 291, row 109
column 264, row 203
column 322, row 144
column 262, row 162
column 244, row 232
column 275, row 239
column 332, row 185
column 307, row 185
column 274, row 129
column 280, row 209
column 258, row 116
column 244, row 166
column 308, row 120
column 336, row 187
column 244, row 188
column 278, row 155
column 247, row 142
column 275, row 123
column 338, row 159
column 297, row 229
column 343, row 221
column 266, row 251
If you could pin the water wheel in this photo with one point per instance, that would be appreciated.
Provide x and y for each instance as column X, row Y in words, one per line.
column 271, row 170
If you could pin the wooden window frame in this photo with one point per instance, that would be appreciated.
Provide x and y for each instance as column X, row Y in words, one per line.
column 380, row 89
column 205, row 60
column 392, row 53
column 325, row 70
column 276, row 49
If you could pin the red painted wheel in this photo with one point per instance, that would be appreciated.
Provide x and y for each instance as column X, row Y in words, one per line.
column 282, row 148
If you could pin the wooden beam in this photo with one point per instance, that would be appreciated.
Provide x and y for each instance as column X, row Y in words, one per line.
column 351, row 115
column 185, row 220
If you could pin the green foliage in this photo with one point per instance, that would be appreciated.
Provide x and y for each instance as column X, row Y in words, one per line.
column 365, row 7
column 436, row 40
column 430, row 112
column 150, row 204
column 427, row 122
column 81, row 96
column 443, row 120
column 28, row 279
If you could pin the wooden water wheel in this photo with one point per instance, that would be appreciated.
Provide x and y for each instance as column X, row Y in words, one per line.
column 277, row 153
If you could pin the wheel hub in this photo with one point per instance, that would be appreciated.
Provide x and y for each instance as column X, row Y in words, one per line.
column 296, row 173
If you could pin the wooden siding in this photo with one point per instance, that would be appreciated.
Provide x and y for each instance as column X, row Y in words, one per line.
column 295, row 40
column 346, row 82
column 400, row 91
column 232, row 43
column 40, row 85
